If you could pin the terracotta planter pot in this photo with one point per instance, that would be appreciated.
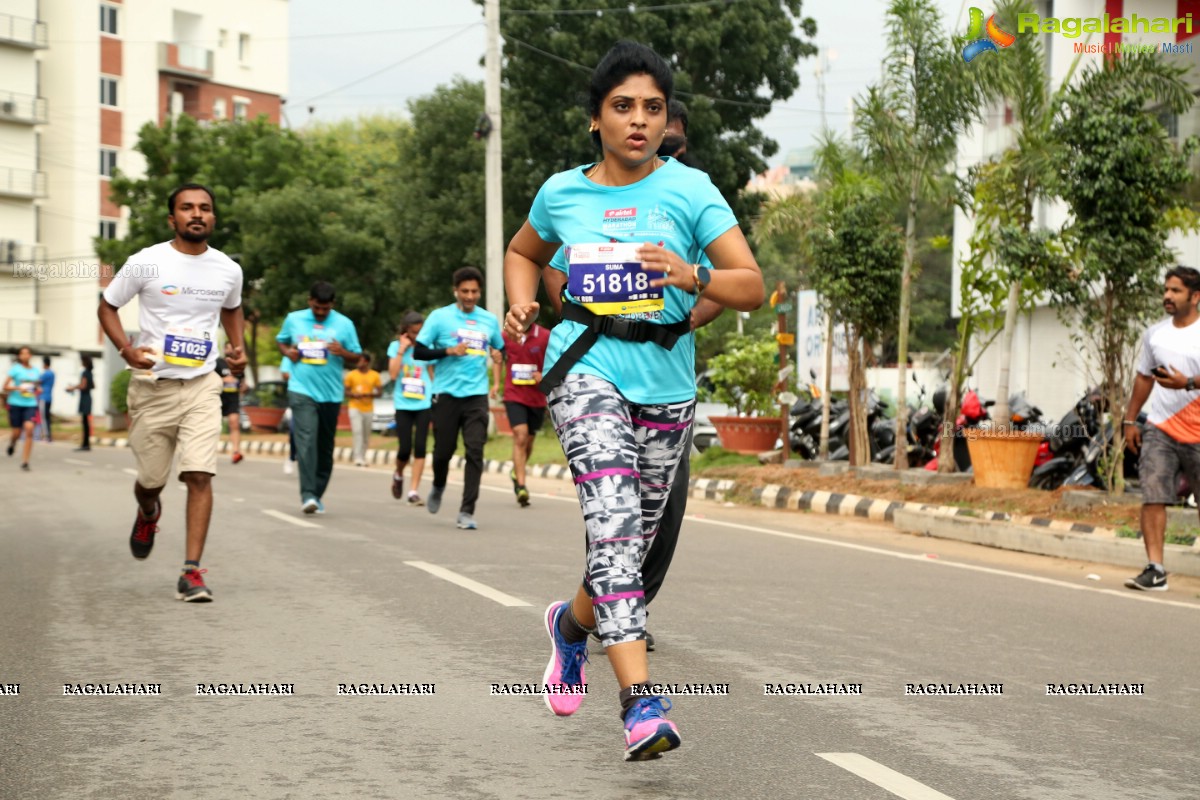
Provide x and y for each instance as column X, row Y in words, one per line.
column 500, row 416
column 747, row 435
column 344, row 419
column 1002, row 459
column 264, row 418
column 118, row 420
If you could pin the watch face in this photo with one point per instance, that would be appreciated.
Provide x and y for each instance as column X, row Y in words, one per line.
column 705, row 275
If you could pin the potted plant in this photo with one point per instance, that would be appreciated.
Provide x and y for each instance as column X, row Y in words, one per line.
column 118, row 401
column 266, row 405
column 743, row 376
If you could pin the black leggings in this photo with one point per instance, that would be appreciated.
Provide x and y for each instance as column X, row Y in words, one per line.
column 406, row 421
column 87, row 430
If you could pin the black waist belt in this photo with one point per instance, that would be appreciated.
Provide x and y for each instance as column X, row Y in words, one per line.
column 629, row 330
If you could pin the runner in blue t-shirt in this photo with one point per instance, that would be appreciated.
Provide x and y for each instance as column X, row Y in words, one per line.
column 46, row 397
column 412, row 393
column 459, row 339
column 22, row 386
column 317, row 340
column 619, row 368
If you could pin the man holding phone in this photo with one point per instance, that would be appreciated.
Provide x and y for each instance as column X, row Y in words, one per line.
column 1167, row 376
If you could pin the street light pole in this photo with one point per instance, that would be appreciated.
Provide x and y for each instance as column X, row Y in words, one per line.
column 494, row 207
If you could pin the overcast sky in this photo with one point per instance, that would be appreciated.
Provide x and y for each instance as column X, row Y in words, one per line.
column 352, row 57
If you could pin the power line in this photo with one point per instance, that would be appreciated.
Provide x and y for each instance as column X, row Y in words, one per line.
column 393, row 65
column 629, row 9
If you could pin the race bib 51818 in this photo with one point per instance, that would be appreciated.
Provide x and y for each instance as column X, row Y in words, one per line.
column 609, row 279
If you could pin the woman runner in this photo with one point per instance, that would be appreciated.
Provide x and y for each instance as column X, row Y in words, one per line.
column 620, row 369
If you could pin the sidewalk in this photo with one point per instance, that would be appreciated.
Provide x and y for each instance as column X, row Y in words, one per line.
column 1037, row 535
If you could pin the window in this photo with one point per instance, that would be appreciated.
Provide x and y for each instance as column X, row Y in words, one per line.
column 219, row 108
column 241, row 107
column 108, row 91
column 108, row 19
column 108, row 162
column 1170, row 123
column 108, row 229
column 243, row 47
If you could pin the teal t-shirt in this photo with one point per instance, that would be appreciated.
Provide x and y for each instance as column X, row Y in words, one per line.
column 318, row 374
column 676, row 207
column 413, row 389
column 461, row 376
column 25, row 380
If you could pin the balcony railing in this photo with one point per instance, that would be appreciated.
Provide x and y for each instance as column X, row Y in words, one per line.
column 185, row 59
column 24, row 256
column 22, row 32
column 22, row 183
column 17, row 332
column 23, row 108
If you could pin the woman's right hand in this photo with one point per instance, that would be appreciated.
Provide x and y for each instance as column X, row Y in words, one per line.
column 520, row 318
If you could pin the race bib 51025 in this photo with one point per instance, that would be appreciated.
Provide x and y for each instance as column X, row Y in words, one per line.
column 185, row 347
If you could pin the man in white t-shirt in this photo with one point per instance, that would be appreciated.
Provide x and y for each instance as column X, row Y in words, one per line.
column 184, row 289
column 1168, row 372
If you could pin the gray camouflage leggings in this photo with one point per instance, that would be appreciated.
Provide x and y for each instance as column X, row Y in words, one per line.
column 623, row 457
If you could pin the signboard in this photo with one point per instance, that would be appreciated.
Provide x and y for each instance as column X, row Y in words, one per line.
column 810, row 346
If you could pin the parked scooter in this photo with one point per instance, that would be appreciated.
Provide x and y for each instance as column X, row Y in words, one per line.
column 841, row 428
column 1067, row 441
column 973, row 414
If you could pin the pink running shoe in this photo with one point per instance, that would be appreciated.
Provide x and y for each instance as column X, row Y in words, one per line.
column 564, row 680
column 649, row 734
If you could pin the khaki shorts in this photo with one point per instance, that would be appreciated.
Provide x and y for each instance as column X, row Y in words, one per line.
column 168, row 415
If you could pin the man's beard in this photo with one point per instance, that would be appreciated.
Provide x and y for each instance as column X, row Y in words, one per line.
column 189, row 236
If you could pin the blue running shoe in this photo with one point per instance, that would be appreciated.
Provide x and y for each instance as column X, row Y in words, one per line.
column 565, row 683
column 649, row 734
column 434, row 501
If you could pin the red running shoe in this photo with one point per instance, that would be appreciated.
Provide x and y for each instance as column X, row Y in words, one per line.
column 141, row 540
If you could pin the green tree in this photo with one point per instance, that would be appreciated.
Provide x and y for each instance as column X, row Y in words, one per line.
column 436, row 199
column 234, row 159
column 731, row 62
column 1123, row 180
column 303, row 233
column 909, row 126
column 861, row 255
column 1016, row 179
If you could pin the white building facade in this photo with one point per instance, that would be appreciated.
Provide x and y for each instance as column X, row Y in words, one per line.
column 77, row 81
column 1046, row 362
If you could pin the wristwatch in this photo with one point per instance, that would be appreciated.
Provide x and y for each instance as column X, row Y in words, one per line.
column 1191, row 383
column 702, row 276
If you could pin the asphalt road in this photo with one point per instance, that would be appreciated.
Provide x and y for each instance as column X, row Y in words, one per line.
column 362, row 595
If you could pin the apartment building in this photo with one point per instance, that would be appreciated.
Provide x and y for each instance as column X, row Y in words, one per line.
column 77, row 81
column 1046, row 361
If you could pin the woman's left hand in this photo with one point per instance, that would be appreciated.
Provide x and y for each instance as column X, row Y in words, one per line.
column 675, row 271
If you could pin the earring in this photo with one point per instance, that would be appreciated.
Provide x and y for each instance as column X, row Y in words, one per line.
column 592, row 128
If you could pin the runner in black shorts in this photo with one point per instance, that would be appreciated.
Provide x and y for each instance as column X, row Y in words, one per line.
column 231, row 396
column 523, row 401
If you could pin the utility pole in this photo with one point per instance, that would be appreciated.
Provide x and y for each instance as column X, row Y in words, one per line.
column 494, row 186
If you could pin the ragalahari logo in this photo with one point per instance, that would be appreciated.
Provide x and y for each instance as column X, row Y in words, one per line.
column 982, row 38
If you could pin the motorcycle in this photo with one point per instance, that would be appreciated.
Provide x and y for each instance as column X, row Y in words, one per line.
column 1067, row 441
column 924, row 425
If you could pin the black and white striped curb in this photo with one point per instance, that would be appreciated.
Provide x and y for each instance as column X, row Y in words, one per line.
column 852, row 505
column 771, row 496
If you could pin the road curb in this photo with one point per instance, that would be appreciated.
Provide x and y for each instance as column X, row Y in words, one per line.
column 1039, row 535
column 1104, row 548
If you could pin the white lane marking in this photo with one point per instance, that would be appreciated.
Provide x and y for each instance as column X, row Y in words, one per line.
column 468, row 584
column 1127, row 595
column 897, row 783
column 129, row 471
column 78, row 461
column 299, row 523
